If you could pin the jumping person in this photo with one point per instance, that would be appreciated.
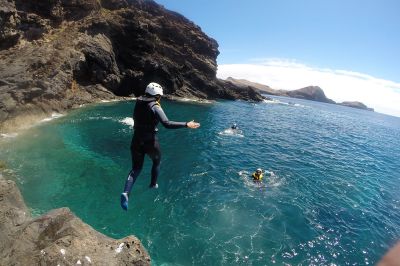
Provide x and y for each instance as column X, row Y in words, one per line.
column 147, row 114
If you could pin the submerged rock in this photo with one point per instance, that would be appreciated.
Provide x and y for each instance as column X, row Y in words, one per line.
column 57, row 237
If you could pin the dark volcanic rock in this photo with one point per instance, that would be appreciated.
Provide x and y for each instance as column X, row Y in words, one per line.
column 58, row 10
column 357, row 105
column 57, row 238
column 240, row 92
column 58, row 54
column 8, row 23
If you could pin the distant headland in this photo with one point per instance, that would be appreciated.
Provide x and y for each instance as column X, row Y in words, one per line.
column 312, row 93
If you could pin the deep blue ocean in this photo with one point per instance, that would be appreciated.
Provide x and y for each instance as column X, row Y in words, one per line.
column 331, row 194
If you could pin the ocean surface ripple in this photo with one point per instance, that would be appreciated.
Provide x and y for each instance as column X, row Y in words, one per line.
column 330, row 194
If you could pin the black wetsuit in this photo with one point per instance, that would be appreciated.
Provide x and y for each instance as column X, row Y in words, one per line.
column 147, row 114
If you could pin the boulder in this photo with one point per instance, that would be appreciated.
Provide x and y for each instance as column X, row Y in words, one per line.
column 57, row 237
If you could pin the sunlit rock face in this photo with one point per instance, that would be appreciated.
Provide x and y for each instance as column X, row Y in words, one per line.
column 58, row 54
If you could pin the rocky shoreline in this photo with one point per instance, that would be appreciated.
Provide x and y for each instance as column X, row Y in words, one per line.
column 57, row 237
column 57, row 55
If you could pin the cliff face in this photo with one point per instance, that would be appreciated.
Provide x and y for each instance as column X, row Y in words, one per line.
column 312, row 93
column 58, row 54
column 246, row 83
column 57, row 238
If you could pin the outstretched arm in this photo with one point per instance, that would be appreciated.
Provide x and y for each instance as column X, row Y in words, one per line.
column 162, row 117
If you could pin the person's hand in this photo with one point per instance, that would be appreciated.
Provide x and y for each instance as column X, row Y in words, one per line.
column 192, row 124
column 392, row 257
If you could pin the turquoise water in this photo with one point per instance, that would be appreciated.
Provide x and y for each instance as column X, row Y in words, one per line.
column 331, row 195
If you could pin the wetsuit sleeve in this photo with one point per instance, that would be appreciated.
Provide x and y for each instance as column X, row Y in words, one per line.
column 158, row 111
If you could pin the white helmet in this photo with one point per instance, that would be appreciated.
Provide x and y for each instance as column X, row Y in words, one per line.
column 154, row 89
column 259, row 170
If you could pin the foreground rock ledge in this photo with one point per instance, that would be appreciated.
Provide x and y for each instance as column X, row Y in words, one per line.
column 57, row 238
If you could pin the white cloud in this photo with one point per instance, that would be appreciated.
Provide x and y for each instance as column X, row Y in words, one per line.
column 338, row 85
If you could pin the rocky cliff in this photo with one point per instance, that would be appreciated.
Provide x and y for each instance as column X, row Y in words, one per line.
column 58, row 54
column 57, row 238
column 312, row 93
column 255, row 85
column 357, row 105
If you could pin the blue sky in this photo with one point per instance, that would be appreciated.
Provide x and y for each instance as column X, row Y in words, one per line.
column 354, row 36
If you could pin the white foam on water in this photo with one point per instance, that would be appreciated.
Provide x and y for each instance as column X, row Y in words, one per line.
column 53, row 116
column 274, row 101
column 243, row 173
column 199, row 174
column 246, row 177
column 118, row 100
column 186, row 100
column 271, row 101
column 127, row 121
column 183, row 99
column 232, row 132
column 106, row 101
column 100, row 118
column 47, row 119
column 273, row 179
column 9, row 135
